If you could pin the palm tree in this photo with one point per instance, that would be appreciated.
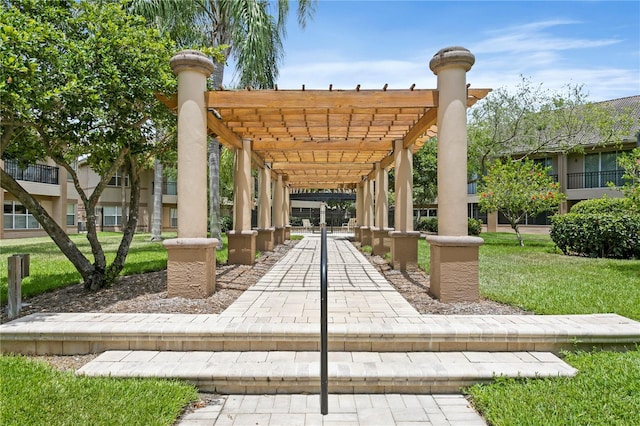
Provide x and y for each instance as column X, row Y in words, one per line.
column 252, row 36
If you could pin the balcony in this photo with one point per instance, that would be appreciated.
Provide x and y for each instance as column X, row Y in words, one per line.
column 595, row 179
column 38, row 173
column 169, row 188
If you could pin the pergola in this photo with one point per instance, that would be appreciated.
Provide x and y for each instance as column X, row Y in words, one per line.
column 319, row 139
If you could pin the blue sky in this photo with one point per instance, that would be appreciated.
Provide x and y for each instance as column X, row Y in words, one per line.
column 595, row 43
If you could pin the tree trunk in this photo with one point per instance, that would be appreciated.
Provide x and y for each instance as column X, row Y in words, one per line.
column 214, row 191
column 57, row 234
column 156, row 217
column 517, row 230
column 129, row 230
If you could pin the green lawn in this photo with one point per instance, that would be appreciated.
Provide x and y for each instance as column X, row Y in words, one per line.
column 34, row 393
column 50, row 269
column 542, row 280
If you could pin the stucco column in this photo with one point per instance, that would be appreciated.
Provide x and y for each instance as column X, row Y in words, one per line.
column 381, row 243
column 359, row 211
column 278, row 211
column 191, row 265
column 242, row 240
column 404, row 240
column 454, row 254
column 563, row 169
column 287, row 212
column 367, row 213
column 264, row 240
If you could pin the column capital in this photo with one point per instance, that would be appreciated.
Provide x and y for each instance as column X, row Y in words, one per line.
column 191, row 60
column 455, row 56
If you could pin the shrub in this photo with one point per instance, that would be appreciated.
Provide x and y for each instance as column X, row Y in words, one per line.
column 226, row 223
column 603, row 205
column 430, row 224
column 597, row 235
column 295, row 221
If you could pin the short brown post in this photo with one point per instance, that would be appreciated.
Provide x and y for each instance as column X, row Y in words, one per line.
column 18, row 268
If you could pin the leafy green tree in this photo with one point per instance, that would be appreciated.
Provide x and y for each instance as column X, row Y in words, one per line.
column 631, row 164
column 531, row 119
column 517, row 189
column 251, row 32
column 78, row 79
column 425, row 174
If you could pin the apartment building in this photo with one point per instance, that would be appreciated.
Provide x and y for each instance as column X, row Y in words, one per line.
column 55, row 191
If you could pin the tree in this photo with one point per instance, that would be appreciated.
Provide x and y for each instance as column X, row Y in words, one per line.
column 532, row 120
column 631, row 164
column 247, row 30
column 425, row 173
column 79, row 79
column 517, row 189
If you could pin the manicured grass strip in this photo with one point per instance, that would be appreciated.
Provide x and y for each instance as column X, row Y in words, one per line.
column 34, row 393
column 50, row 269
column 540, row 279
column 606, row 391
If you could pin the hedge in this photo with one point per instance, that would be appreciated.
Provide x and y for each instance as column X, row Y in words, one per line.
column 597, row 234
column 430, row 224
column 603, row 206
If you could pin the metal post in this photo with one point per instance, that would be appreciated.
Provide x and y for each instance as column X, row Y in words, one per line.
column 324, row 397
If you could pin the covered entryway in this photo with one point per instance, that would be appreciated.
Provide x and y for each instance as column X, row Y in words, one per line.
column 326, row 139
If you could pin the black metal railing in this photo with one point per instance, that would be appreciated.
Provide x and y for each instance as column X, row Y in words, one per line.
column 33, row 173
column 324, row 383
column 595, row 179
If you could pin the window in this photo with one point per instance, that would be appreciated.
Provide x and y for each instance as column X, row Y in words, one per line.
column 173, row 217
column 16, row 216
column 112, row 215
column 71, row 214
column 601, row 168
column 116, row 179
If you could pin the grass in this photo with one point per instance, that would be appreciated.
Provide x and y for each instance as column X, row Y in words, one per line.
column 50, row 269
column 606, row 391
column 540, row 279
column 34, row 393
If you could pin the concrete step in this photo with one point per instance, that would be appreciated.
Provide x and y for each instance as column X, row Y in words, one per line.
column 83, row 333
column 263, row 372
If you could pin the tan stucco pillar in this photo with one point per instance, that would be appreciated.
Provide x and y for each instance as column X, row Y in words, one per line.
column 287, row 212
column 454, row 254
column 264, row 240
column 367, row 213
column 563, row 169
column 492, row 222
column 242, row 240
column 278, row 211
column 404, row 240
column 359, row 211
column 191, row 266
column 381, row 242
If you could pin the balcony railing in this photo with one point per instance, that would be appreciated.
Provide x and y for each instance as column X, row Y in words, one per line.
column 472, row 188
column 595, row 179
column 34, row 173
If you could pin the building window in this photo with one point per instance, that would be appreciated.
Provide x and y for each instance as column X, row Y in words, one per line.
column 16, row 216
column 116, row 179
column 173, row 218
column 601, row 168
column 112, row 215
column 71, row 214
column 169, row 186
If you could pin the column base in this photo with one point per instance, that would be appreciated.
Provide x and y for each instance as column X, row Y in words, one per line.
column 404, row 250
column 381, row 241
column 287, row 232
column 191, row 267
column 454, row 268
column 357, row 234
column 242, row 247
column 264, row 240
column 279, row 235
column 365, row 236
